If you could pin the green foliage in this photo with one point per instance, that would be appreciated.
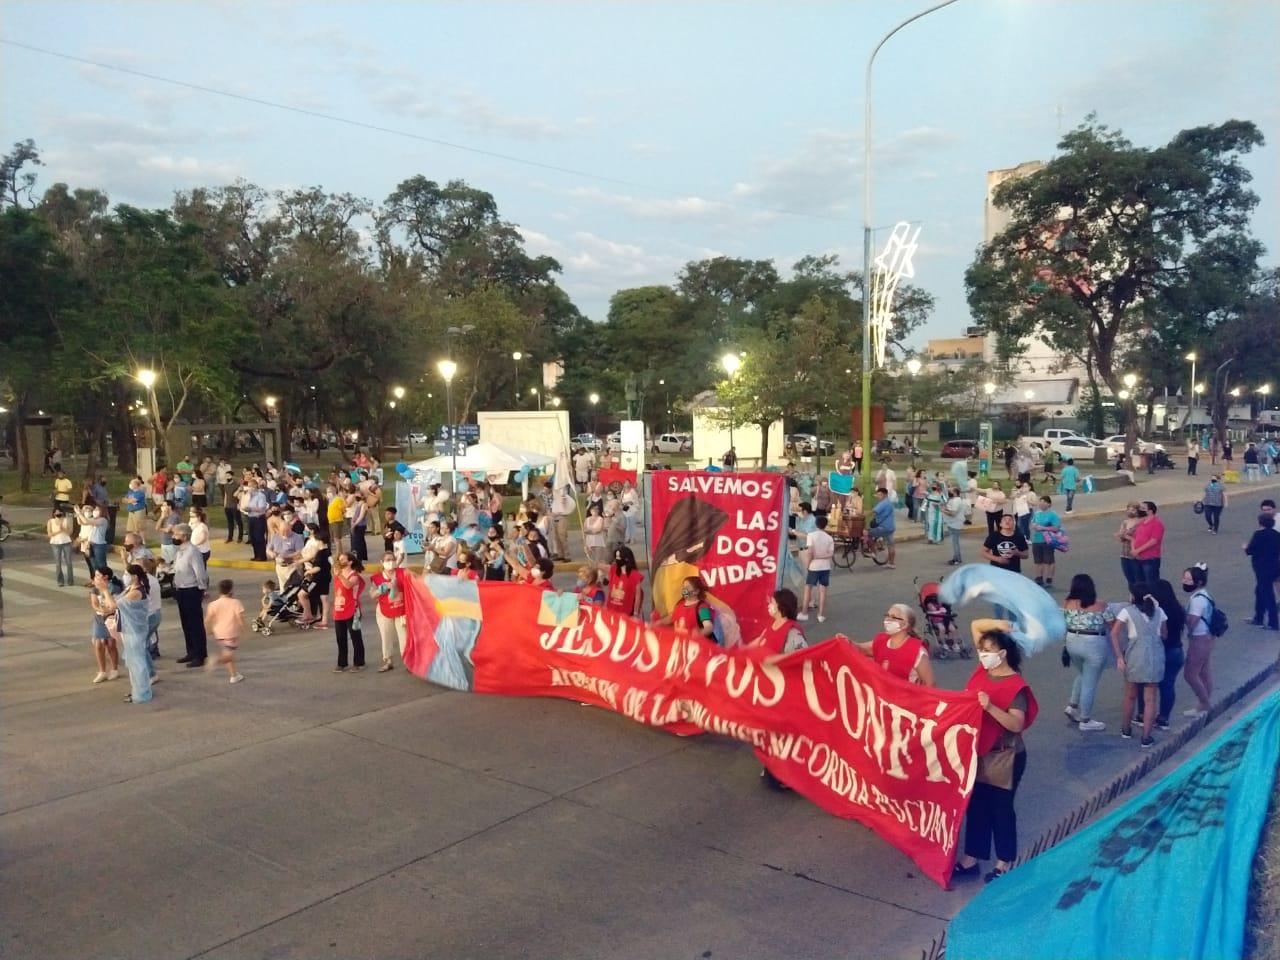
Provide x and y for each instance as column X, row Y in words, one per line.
column 1119, row 253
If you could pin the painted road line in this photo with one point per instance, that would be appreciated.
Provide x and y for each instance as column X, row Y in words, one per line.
column 31, row 580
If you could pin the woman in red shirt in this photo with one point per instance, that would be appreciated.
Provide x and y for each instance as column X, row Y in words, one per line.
column 782, row 634
column 348, row 586
column 388, row 587
column 626, row 583
column 898, row 650
column 692, row 615
column 1009, row 708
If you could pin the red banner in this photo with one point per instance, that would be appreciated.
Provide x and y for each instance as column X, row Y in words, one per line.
column 728, row 529
column 861, row 744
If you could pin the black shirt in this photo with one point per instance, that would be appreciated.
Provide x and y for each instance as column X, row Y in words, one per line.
column 1264, row 550
column 1010, row 546
column 388, row 533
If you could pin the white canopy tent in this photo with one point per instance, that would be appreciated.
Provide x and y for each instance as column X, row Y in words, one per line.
column 487, row 458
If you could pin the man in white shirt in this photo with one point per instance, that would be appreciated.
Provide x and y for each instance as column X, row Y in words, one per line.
column 434, row 505
column 564, row 504
column 821, row 549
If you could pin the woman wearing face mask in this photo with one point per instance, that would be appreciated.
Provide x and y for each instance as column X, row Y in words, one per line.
column 934, row 529
column 589, row 586
column 1214, row 500
column 626, row 583
column 782, row 634
column 1129, row 565
column 389, row 587
column 102, row 603
column 1198, row 674
column 317, row 566
column 692, row 613
column 1137, row 637
column 897, row 650
column 593, row 535
column 133, row 610
column 348, row 586
column 200, row 534
column 1008, row 709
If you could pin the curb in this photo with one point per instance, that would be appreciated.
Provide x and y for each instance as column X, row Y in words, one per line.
column 242, row 564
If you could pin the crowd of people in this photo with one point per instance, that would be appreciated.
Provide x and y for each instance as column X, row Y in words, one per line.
column 315, row 530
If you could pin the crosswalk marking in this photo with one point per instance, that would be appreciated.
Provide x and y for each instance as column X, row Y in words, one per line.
column 24, row 599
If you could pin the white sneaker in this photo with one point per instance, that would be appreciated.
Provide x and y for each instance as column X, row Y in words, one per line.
column 99, row 677
column 822, row 618
column 237, row 678
column 1194, row 712
column 1072, row 711
column 1089, row 726
column 802, row 616
column 113, row 675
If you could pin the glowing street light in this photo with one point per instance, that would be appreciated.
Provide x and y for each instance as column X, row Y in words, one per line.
column 555, row 402
column 535, row 392
column 398, row 392
column 146, row 377
column 516, row 357
column 1029, row 394
column 731, row 362
column 1130, row 380
column 447, row 369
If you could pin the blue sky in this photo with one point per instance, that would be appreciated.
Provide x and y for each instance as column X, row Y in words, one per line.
column 709, row 128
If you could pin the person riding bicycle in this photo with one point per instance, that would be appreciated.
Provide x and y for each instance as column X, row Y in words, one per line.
column 882, row 524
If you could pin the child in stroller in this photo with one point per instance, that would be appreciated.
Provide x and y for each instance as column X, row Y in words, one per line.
column 940, row 624
column 280, row 606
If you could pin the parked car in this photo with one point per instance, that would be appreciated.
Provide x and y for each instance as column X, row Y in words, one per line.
column 955, row 449
column 673, row 443
column 1076, row 447
column 588, row 441
column 1115, row 445
column 418, row 436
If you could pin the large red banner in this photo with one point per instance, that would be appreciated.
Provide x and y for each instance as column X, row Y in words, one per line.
column 728, row 529
column 861, row 744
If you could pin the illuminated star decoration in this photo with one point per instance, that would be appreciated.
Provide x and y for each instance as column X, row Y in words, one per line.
column 890, row 267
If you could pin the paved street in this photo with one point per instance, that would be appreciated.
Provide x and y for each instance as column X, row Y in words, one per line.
column 307, row 814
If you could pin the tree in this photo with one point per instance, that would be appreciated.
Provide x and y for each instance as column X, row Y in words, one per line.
column 36, row 285
column 17, row 187
column 1111, row 247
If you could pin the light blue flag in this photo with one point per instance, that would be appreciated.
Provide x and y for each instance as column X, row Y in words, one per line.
column 1164, row 877
column 1038, row 621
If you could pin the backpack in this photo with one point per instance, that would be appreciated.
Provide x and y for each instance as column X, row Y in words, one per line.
column 724, row 627
column 1217, row 619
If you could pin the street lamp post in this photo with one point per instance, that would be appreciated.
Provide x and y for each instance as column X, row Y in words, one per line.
column 447, row 369
column 913, row 367
column 1191, row 398
column 516, row 357
column 731, row 362
column 666, row 403
column 595, row 399
column 866, row 230
column 1029, row 394
column 537, row 393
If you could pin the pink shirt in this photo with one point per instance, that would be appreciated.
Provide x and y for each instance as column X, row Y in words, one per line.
column 1152, row 528
column 224, row 618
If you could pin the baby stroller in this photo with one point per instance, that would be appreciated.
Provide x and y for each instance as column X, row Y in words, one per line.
column 940, row 624
column 283, row 609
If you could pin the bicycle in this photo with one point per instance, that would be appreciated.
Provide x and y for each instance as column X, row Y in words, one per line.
column 847, row 551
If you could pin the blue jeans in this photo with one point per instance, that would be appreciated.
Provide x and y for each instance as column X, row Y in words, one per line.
column 1089, row 656
column 1024, row 526
column 1132, row 570
column 1150, row 570
column 98, row 555
column 153, row 640
column 61, row 559
column 955, row 542
column 1071, row 499
column 1173, row 660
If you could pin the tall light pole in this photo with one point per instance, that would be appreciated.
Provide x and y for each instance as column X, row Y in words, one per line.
column 1191, row 397
column 913, row 367
column 731, row 362
column 447, row 369
column 988, row 388
column 866, row 231
column 537, row 393
column 595, row 399
column 1029, row 394
column 666, row 403
column 516, row 357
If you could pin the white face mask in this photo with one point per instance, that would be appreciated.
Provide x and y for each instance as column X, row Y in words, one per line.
column 892, row 626
column 989, row 661
column 388, row 565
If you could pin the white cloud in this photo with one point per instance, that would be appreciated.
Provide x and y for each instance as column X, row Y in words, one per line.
column 654, row 208
column 821, row 175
